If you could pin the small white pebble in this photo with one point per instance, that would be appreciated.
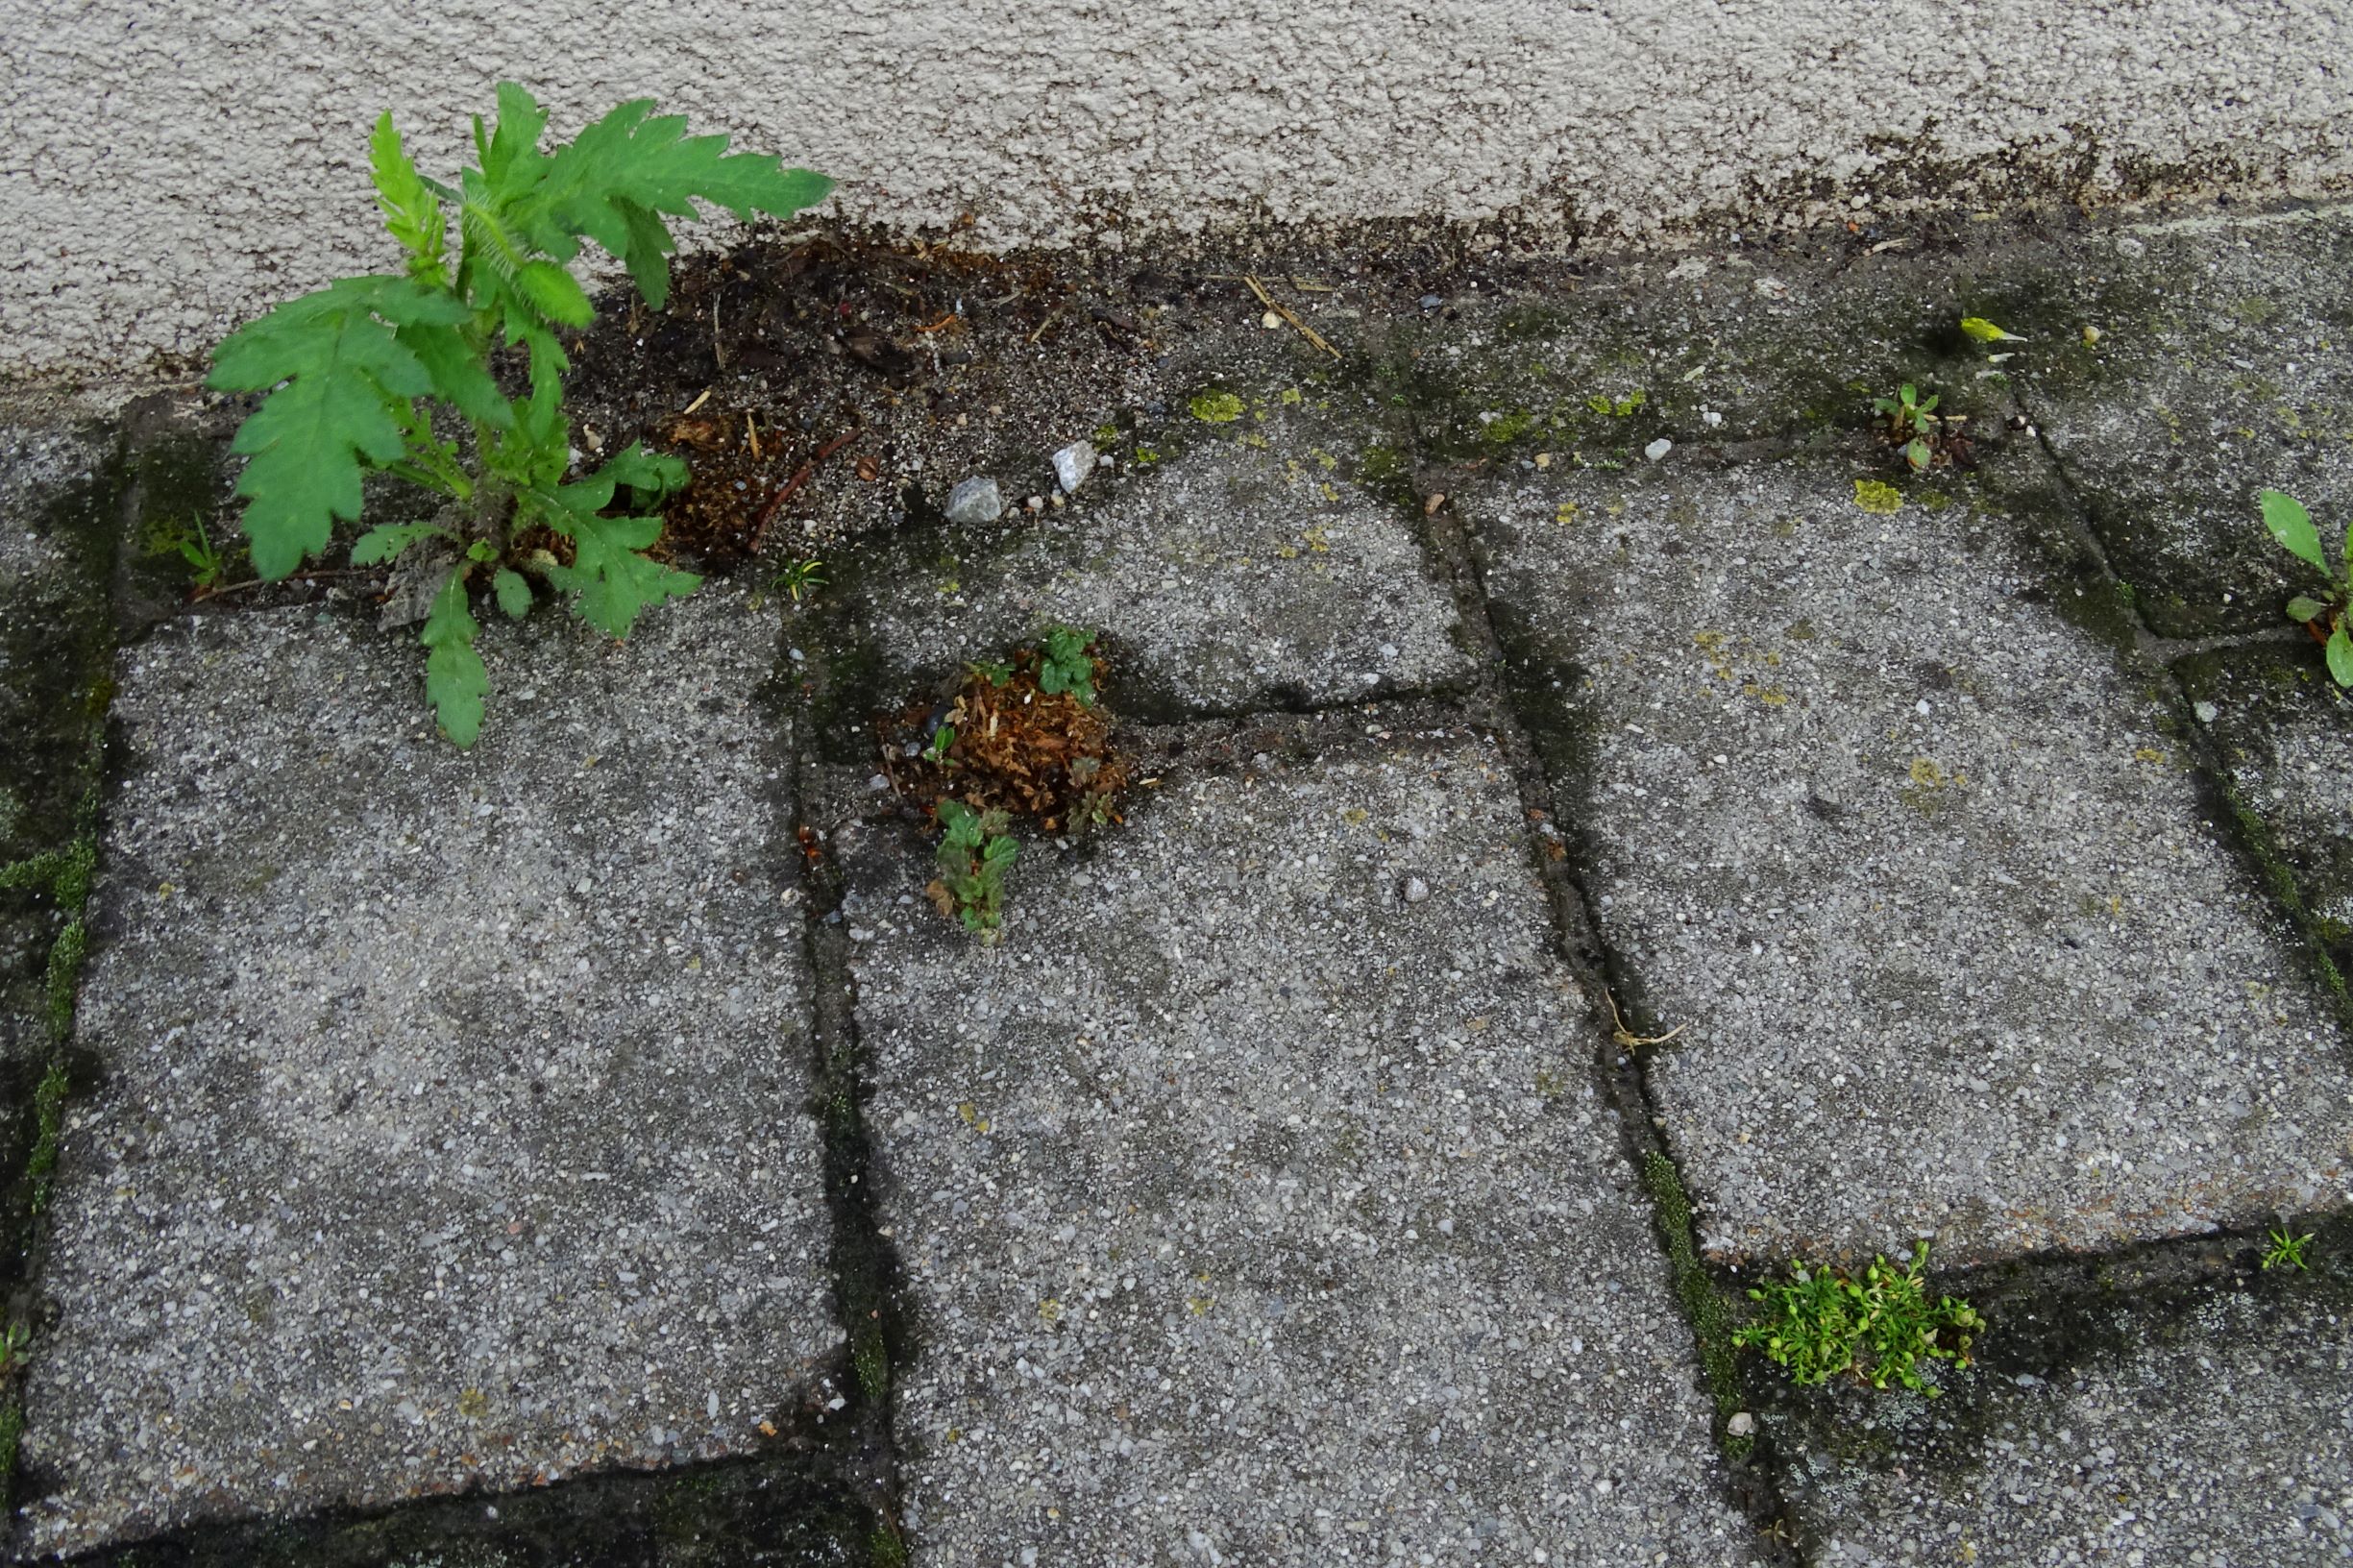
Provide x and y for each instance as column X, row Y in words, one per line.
column 1658, row 449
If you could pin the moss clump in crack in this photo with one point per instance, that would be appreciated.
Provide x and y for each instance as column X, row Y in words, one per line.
column 1711, row 1321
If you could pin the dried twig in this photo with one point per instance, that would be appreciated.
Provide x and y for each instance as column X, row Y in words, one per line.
column 1628, row 1038
column 1288, row 314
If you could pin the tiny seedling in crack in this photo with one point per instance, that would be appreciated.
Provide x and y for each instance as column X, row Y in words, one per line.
column 395, row 374
column 2327, row 618
column 1821, row 1322
column 936, row 750
column 12, row 1347
column 995, row 672
column 975, row 852
column 802, row 577
column 1927, row 437
column 2286, row 1251
column 195, row 545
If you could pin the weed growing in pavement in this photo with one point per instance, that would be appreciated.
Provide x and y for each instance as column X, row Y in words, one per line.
column 2329, row 618
column 1928, row 438
column 1064, row 664
column 1024, row 736
column 975, row 852
column 1702, row 1304
column 193, row 543
column 802, row 577
column 2286, row 1251
column 1821, row 1322
column 379, row 373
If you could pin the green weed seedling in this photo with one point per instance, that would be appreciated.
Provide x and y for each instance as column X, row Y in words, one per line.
column 1064, row 664
column 194, row 545
column 802, row 577
column 1821, row 1323
column 973, row 856
column 393, row 374
column 1911, row 419
column 2286, row 1251
column 2327, row 619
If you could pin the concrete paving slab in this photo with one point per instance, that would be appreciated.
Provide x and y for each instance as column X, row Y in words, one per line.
column 452, row 1129
column 1256, row 1199
column 1919, row 869
column 2216, row 1432
column 1254, row 567
column 1784, row 340
column 2282, row 729
column 2224, row 365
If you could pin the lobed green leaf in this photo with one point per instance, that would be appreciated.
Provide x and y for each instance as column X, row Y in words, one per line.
column 514, row 594
column 411, row 212
column 387, row 540
column 341, row 380
column 609, row 581
column 454, row 679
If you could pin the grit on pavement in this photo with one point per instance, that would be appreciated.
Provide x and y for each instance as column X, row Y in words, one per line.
column 1602, row 826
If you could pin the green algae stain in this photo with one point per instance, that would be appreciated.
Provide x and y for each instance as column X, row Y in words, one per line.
column 1217, row 408
column 1878, row 497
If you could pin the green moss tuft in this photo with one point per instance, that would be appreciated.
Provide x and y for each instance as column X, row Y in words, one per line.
column 1711, row 1321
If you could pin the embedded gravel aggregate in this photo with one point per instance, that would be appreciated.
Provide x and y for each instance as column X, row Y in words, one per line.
column 1232, row 577
column 2279, row 725
column 452, row 1127
column 442, row 1122
column 1958, row 949
column 1250, row 1213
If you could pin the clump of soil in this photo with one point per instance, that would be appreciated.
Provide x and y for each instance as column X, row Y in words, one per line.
column 1001, row 740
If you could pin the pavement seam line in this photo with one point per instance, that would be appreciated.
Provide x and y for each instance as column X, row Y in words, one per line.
column 1751, row 1471
column 2250, row 833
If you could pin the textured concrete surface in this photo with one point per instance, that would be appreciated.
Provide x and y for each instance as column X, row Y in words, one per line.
column 1920, row 872
column 1251, row 570
column 2215, row 1430
column 2224, row 365
column 55, row 515
column 452, row 1131
column 2279, row 725
column 227, row 167
column 1253, row 1213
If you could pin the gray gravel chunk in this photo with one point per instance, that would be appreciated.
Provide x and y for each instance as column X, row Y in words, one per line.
column 452, row 1131
column 1234, row 577
column 2220, row 1435
column 1250, row 1214
column 1925, row 877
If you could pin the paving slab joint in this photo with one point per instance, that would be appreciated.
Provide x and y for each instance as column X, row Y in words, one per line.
column 863, row 1260
column 2248, row 832
column 1618, row 1015
column 59, row 877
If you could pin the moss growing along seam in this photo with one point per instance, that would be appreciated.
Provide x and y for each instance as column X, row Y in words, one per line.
column 1711, row 1321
